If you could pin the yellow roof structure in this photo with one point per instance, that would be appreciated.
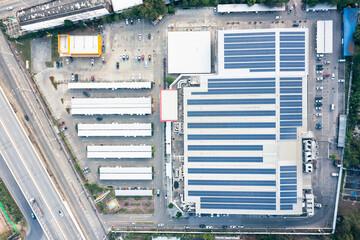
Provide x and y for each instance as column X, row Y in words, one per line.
column 79, row 46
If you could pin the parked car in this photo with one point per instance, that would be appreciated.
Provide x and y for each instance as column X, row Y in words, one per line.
column 143, row 57
column 99, row 118
column 126, row 21
column 334, row 174
column 149, row 36
column 319, row 124
column 326, row 75
column 158, row 192
column 319, row 79
column 327, row 62
column 318, row 98
column 318, row 59
column 341, row 80
column 146, row 64
column 319, row 72
column 332, row 76
column 319, row 68
column 319, row 88
column 318, row 128
column 117, row 65
column 64, row 129
column 318, row 104
column 92, row 62
column 277, row 17
column 72, row 77
column 57, row 64
column 86, row 94
column 139, row 37
column 92, row 78
column 317, row 205
column 149, row 57
column 124, row 57
column 319, row 65
column 61, row 123
column 61, row 214
column 318, row 108
column 76, row 77
column 319, row 55
column 318, row 114
column 202, row 226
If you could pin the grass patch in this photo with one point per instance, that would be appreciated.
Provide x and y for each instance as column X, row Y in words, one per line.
column 148, row 211
column 54, row 48
column 9, row 204
column 52, row 80
column 68, row 110
column 24, row 50
column 49, row 64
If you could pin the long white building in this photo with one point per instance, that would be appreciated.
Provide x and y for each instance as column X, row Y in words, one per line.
column 125, row 173
column 119, row 152
column 324, row 36
column 108, row 106
column 134, row 193
column 115, row 130
column 109, row 85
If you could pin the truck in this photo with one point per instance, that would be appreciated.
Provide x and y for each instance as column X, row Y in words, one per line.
column 36, row 208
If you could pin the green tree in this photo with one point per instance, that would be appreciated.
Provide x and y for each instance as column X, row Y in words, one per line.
column 116, row 17
column 178, row 214
column 208, row 237
column 171, row 205
column 169, row 80
column 251, row 2
column 81, row 25
column 68, row 23
column 171, row 9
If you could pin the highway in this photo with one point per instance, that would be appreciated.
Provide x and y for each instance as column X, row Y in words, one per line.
column 34, row 232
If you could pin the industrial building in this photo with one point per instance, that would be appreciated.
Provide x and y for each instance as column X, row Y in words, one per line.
column 115, row 130
column 109, row 85
column 168, row 105
column 119, row 152
column 79, row 46
column 54, row 13
column 125, row 173
column 121, row 5
column 342, row 131
column 189, row 52
column 243, row 126
column 108, row 106
column 324, row 36
column 133, row 193
column 245, row 8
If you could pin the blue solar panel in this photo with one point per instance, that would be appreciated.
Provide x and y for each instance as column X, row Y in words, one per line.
column 292, row 33
column 241, row 84
column 287, row 181
column 232, row 171
column 250, row 65
column 230, row 113
column 233, row 125
column 238, row 200
column 288, row 188
column 292, row 51
column 286, row 207
column 263, row 70
column 291, row 84
column 290, row 123
column 233, row 182
column 292, row 44
column 290, row 90
column 290, row 117
column 290, row 97
column 237, row 206
column 290, row 110
column 230, row 101
column 288, row 168
column 237, row 91
column 231, row 194
column 288, row 175
column 290, row 104
column 258, row 52
column 292, row 69
column 287, row 136
column 249, row 39
column 287, row 130
column 292, row 64
column 248, row 34
column 288, row 200
column 239, row 79
column 231, row 137
column 249, row 45
column 225, row 159
column 292, row 58
column 225, row 148
column 250, row 59
column 287, row 194
column 292, row 38
column 290, row 79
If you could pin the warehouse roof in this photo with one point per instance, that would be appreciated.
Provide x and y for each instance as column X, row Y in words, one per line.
column 168, row 105
column 109, row 85
column 342, row 130
column 125, row 173
column 229, row 8
column 115, row 129
column 131, row 193
column 324, row 36
column 129, row 151
column 79, row 45
column 189, row 52
column 120, row 5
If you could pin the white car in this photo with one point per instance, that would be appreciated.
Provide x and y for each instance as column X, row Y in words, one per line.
column 327, row 62
column 146, row 65
column 160, row 225
column 317, row 205
column 319, row 72
column 319, row 88
column 319, row 78
column 320, row 55
column 318, row 108
column 9, row 8
column 139, row 37
column 277, row 17
column 209, row 227
column 334, row 174
column 341, row 80
column 92, row 62
column 333, row 76
column 126, row 21
column 318, row 114
column 133, row 77
column 139, row 77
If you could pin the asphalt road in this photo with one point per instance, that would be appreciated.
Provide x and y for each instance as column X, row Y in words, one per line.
column 34, row 231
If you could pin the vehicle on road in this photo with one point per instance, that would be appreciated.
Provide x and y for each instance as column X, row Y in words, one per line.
column 341, row 60
column 64, row 129
column 33, row 216
column 86, row 94
column 92, row 78
column 149, row 36
column 103, row 60
column 332, row 76
column 86, row 170
column 61, row 213
column 334, row 174
column 158, row 192
column 341, row 80
column 277, row 17
column 9, row 8
column 149, row 57
column 126, row 21
column 332, row 107
column 26, row 117
column 317, row 205
column 146, row 64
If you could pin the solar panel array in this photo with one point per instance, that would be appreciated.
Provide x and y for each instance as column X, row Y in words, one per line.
column 254, row 51
column 292, row 51
column 288, row 187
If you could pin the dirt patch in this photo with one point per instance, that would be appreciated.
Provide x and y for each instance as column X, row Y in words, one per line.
column 129, row 205
column 4, row 229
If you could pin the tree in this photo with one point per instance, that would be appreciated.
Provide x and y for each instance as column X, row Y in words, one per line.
column 334, row 157
column 251, row 2
column 68, row 23
column 116, row 17
column 171, row 205
column 171, row 9
column 169, row 80
column 152, row 9
column 178, row 214
column 81, row 25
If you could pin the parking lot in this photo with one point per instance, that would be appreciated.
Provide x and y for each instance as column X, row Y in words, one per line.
column 121, row 38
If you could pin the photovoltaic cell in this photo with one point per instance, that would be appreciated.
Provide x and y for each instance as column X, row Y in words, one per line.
column 291, row 84
column 241, row 84
column 225, row 147
column 292, row 44
column 288, row 200
column 287, row 181
column 231, row 194
column 292, row 69
column 291, row 79
column 292, row 64
column 288, row 175
column 287, row 168
column 250, row 65
column 225, row 159
column 249, row 39
column 233, row 125
column 238, row 200
column 239, row 79
column 287, row 194
column 237, row 91
column 258, row 52
column 290, row 123
column 233, row 182
column 232, row 171
column 230, row 113
column 287, row 130
column 290, row 97
column 290, row 117
column 288, row 188
column 263, row 70
column 292, row 51
column 292, row 33
column 290, row 104
column 290, row 110
column 286, row 207
column 230, row 101
column 249, row 46
column 292, row 58
column 237, row 206
column 248, row 34
column 290, row 90
column 250, row 59
column 292, row 38
column 287, row 136
column 231, row 137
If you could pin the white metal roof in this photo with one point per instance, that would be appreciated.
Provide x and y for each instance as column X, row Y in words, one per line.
column 109, row 85
column 321, row 7
column 168, row 105
column 168, row 138
column 125, row 173
column 122, row 192
column 90, row 106
column 229, row 8
column 130, row 151
column 115, row 129
column 120, row 5
column 342, row 130
column 79, row 44
column 125, row 170
column 105, row 176
column 189, row 52
column 324, row 36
